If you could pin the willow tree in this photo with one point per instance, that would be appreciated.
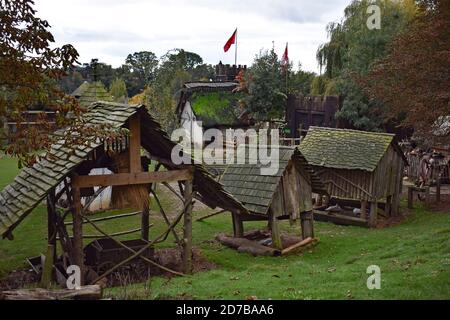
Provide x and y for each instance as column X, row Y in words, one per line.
column 353, row 47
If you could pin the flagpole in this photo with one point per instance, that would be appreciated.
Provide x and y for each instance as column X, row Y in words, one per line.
column 235, row 51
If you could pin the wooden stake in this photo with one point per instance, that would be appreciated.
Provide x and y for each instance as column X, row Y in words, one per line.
column 48, row 267
column 187, row 230
column 135, row 144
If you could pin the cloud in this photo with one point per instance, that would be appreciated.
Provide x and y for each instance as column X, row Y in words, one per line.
column 110, row 29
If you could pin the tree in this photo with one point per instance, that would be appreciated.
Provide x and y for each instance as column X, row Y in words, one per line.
column 144, row 64
column 413, row 80
column 118, row 90
column 29, row 70
column 300, row 81
column 266, row 88
column 352, row 48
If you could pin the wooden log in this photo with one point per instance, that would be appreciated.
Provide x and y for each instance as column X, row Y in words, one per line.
column 297, row 246
column 92, row 292
column 248, row 246
column 339, row 219
column 187, row 229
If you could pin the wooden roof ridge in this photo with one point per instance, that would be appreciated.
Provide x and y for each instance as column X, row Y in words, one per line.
column 33, row 184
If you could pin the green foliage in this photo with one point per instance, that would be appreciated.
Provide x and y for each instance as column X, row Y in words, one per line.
column 319, row 85
column 266, row 88
column 216, row 107
column 300, row 81
column 351, row 50
column 118, row 90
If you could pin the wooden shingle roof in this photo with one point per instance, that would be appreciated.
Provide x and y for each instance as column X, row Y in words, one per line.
column 32, row 184
column 346, row 149
column 89, row 92
column 246, row 183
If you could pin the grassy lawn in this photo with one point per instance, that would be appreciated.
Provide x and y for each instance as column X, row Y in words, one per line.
column 414, row 258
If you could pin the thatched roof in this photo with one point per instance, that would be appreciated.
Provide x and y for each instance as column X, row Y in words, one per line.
column 33, row 184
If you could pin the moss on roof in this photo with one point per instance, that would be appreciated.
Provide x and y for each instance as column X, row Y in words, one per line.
column 216, row 108
column 344, row 148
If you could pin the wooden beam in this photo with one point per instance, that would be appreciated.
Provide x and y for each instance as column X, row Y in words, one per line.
column 121, row 179
column 135, row 144
column 187, row 229
column 339, row 219
column 77, row 242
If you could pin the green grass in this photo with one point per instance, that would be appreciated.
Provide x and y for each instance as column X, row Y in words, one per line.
column 414, row 258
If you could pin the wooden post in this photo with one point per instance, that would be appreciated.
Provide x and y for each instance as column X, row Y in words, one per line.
column 77, row 241
column 187, row 230
column 307, row 224
column 363, row 209
column 427, row 195
column 438, row 188
column 145, row 221
column 238, row 225
column 388, row 207
column 51, row 221
column 373, row 214
column 276, row 236
column 135, row 144
column 410, row 197
column 47, row 269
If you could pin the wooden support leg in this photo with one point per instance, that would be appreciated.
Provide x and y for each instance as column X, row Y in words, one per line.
column 395, row 204
column 51, row 221
column 438, row 189
column 427, row 195
column 307, row 224
column 410, row 197
column 187, row 230
column 145, row 221
column 276, row 236
column 77, row 242
column 50, row 256
column 373, row 214
column 388, row 207
column 363, row 209
column 238, row 225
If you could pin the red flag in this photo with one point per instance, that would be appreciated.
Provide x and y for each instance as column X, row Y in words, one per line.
column 230, row 41
column 285, row 57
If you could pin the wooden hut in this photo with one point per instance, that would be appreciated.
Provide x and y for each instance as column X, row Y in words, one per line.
column 357, row 167
column 122, row 155
column 284, row 195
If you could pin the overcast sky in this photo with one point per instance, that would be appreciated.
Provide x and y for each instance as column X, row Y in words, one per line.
column 111, row 29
